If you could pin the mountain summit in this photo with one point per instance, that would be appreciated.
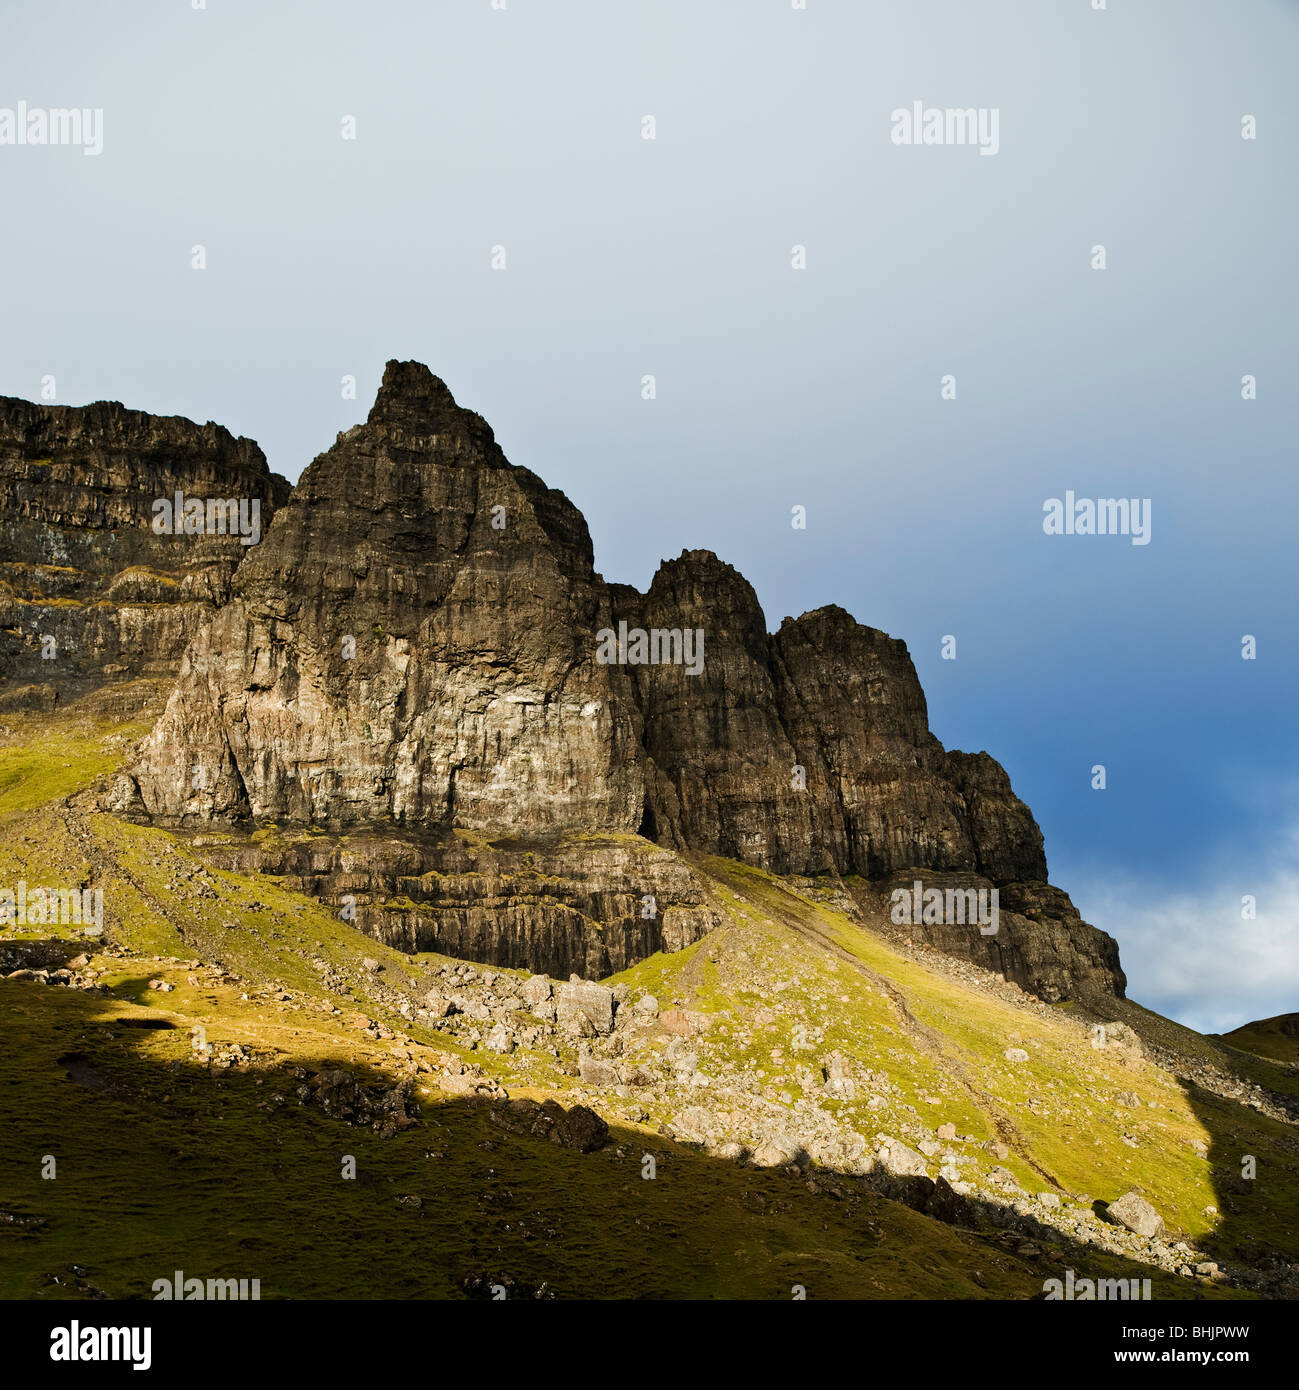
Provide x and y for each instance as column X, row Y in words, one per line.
column 423, row 650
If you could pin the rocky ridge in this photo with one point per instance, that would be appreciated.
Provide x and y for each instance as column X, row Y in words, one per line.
column 414, row 653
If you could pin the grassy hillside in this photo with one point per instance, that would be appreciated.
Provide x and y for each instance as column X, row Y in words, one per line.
column 220, row 1162
column 1267, row 1039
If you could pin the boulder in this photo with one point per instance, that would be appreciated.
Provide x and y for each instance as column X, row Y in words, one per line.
column 838, row 1077
column 437, row 1005
column 899, row 1160
column 536, row 989
column 776, row 1150
column 579, row 1128
column 594, row 1071
column 684, row 1023
column 1133, row 1211
column 1118, row 1038
column 583, row 1000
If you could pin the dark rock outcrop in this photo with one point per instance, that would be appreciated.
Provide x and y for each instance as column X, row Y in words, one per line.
column 90, row 594
column 723, row 768
column 857, row 714
column 1041, row 943
column 1007, row 843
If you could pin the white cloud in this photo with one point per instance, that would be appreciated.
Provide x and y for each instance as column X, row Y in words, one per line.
column 1187, row 951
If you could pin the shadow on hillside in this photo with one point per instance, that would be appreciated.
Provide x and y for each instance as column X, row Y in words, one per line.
column 1254, row 1162
column 168, row 1163
column 1256, row 1221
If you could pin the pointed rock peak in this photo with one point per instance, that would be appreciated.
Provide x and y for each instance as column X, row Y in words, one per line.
column 698, row 581
column 418, row 404
column 829, row 615
column 695, row 565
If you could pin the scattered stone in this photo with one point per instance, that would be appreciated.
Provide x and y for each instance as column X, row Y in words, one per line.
column 502, row 1287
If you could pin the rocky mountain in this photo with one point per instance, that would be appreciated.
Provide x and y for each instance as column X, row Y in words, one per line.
column 465, row 736
column 93, row 590
column 411, row 781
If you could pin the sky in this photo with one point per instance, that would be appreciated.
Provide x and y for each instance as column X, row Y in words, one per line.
column 522, row 126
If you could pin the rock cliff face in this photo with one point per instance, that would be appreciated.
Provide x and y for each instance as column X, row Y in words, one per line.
column 412, row 643
column 420, row 658
column 90, row 593
column 591, row 905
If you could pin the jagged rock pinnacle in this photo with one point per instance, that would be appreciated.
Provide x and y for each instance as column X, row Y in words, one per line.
column 414, row 405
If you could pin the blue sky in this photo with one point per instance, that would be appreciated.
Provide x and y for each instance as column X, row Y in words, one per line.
column 522, row 127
